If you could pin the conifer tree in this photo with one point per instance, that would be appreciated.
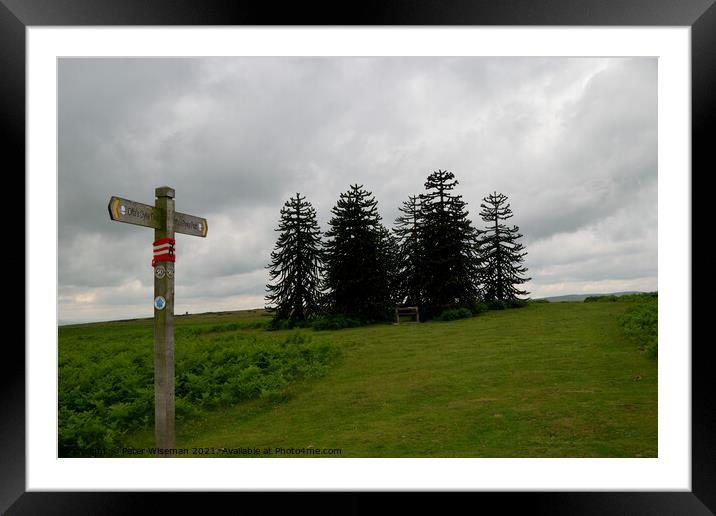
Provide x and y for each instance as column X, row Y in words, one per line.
column 359, row 257
column 502, row 255
column 449, row 260
column 388, row 262
column 408, row 283
column 294, row 291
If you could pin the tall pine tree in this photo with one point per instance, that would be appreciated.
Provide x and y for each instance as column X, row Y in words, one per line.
column 449, row 260
column 294, row 292
column 359, row 258
column 502, row 255
column 408, row 284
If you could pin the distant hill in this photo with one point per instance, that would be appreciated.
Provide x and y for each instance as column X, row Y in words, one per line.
column 577, row 298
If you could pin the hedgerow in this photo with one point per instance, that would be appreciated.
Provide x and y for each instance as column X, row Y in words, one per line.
column 640, row 322
column 453, row 314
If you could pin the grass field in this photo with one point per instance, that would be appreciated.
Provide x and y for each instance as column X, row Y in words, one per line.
column 547, row 380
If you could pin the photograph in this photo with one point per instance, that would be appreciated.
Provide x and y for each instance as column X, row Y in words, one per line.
column 357, row 257
column 415, row 250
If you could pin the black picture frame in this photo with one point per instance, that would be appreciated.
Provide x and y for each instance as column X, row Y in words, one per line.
column 700, row 15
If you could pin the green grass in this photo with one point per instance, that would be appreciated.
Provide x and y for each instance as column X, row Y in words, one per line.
column 547, row 380
column 106, row 379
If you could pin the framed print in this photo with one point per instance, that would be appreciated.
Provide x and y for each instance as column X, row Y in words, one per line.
column 195, row 96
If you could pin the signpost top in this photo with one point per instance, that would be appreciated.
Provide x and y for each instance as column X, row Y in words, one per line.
column 164, row 191
column 124, row 210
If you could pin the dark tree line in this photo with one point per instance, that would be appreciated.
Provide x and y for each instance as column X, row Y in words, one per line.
column 434, row 257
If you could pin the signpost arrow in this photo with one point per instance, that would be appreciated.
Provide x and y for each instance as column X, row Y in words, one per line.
column 123, row 210
column 190, row 225
column 165, row 222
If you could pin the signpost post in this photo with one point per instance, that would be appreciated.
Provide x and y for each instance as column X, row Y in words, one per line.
column 165, row 222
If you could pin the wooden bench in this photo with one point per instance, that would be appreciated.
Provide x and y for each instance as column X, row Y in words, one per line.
column 406, row 310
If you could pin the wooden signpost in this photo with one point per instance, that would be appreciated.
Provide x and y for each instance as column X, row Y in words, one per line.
column 165, row 222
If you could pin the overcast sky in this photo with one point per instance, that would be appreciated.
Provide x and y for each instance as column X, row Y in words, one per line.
column 571, row 141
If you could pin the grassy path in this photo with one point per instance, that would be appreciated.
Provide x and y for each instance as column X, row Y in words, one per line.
column 548, row 380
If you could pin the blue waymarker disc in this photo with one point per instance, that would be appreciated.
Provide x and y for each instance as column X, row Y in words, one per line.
column 160, row 303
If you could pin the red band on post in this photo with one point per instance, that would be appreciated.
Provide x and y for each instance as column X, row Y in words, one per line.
column 163, row 250
column 163, row 258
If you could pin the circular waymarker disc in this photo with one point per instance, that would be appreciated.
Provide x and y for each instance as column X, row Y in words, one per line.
column 160, row 303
